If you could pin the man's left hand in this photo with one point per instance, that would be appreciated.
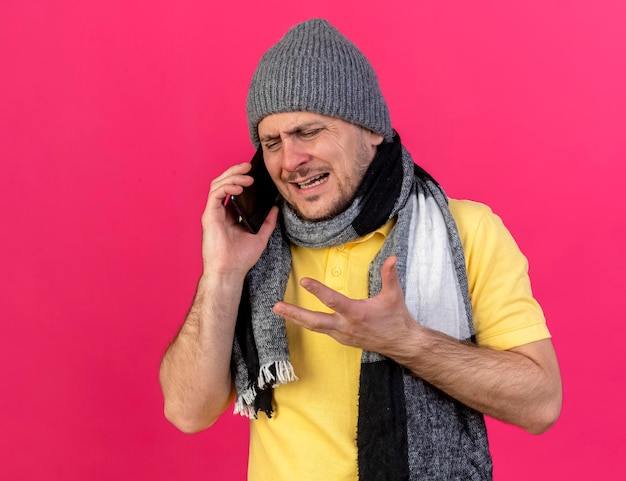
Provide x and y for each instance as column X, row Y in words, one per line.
column 373, row 324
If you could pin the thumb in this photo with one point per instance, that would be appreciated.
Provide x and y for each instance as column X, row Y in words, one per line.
column 270, row 223
column 389, row 274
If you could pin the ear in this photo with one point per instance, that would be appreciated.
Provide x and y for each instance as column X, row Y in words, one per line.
column 375, row 138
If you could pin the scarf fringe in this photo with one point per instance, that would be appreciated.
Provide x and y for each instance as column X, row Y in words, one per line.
column 246, row 408
column 272, row 374
column 281, row 372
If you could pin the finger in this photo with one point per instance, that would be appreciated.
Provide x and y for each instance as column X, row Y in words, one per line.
column 329, row 297
column 237, row 169
column 389, row 273
column 270, row 223
column 230, row 182
column 233, row 185
column 311, row 320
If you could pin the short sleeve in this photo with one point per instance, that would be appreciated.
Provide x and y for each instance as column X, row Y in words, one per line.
column 506, row 315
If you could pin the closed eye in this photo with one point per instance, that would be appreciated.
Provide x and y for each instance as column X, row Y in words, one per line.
column 309, row 134
column 272, row 146
column 273, row 143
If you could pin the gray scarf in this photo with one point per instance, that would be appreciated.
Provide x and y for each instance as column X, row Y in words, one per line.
column 407, row 429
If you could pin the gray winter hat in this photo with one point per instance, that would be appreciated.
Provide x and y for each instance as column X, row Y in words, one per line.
column 315, row 68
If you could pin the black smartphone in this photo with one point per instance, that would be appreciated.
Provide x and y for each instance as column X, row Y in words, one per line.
column 254, row 203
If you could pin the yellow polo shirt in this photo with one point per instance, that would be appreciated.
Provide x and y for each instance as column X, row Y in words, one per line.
column 312, row 434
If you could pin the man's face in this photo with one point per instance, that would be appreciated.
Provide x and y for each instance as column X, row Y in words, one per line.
column 317, row 162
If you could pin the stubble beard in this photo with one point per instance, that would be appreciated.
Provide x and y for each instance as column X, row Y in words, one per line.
column 346, row 196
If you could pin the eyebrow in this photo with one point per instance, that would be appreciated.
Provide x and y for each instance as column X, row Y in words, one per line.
column 295, row 130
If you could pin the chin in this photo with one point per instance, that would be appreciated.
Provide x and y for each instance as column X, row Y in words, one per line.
column 320, row 214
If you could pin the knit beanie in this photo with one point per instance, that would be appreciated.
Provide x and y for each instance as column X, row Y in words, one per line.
column 315, row 68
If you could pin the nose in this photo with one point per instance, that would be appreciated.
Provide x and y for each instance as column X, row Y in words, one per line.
column 293, row 154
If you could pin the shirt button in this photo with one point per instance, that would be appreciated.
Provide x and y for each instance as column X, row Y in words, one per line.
column 337, row 271
column 341, row 247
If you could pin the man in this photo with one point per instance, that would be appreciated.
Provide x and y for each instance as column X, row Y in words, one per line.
column 347, row 327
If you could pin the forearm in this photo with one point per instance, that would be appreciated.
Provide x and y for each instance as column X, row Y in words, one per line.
column 521, row 386
column 195, row 370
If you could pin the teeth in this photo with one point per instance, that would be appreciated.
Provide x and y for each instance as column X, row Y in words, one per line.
column 313, row 182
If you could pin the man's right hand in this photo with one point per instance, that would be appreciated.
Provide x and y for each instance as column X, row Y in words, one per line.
column 227, row 247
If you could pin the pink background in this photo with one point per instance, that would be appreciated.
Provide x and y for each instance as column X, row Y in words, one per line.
column 115, row 115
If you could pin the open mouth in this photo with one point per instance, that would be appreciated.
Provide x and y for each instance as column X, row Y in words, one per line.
column 313, row 182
